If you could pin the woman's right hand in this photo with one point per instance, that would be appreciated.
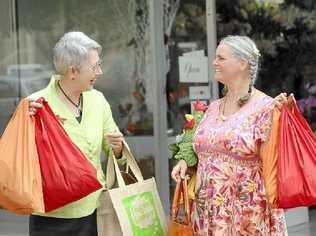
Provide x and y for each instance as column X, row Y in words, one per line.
column 179, row 170
column 33, row 106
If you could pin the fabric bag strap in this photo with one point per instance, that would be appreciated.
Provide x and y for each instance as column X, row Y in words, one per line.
column 181, row 188
column 113, row 171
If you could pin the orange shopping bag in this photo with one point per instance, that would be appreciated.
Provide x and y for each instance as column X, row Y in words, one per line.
column 177, row 227
column 20, row 176
column 270, row 160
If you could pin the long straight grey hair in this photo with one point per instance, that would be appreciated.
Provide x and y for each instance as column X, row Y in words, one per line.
column 244, row 48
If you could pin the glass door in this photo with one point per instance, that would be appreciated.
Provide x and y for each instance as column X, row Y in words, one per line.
column 189, row 37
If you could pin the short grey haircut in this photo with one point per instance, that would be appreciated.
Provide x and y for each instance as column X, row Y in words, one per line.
column 244, row 48
column 72, row 50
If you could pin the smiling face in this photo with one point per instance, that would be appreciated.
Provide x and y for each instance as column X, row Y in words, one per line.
column 226, row 65
column 89, row 72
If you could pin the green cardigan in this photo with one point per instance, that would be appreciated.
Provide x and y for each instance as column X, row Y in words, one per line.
column 88, row 135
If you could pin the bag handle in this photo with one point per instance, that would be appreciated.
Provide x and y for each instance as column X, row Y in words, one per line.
column 131, row 162
column 114, row 170
column 119, row 177
column 181, row 188
column 297, row 119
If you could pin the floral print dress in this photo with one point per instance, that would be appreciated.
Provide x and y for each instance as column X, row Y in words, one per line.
column 230, row 194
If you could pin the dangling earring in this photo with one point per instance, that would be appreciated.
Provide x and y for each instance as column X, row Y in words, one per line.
column 244, row 99
column 224, row 90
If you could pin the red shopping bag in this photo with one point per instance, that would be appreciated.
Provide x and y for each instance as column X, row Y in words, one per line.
column 297, row 161
column 67, row 175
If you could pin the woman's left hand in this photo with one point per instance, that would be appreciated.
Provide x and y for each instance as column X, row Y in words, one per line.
column 115, row 140
column 282, row 99
column 33, row 106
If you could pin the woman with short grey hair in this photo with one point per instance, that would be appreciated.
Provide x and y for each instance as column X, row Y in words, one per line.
column 229, row 141
column 72, row 50
column 72, row 98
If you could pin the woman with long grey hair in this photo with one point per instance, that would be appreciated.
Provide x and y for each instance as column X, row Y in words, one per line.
column 86, row 117
column 230, row 194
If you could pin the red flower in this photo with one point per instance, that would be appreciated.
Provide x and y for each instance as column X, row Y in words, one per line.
column 198, row 106
column 189, row 124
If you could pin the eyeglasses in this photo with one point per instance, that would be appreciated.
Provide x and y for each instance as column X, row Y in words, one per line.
column 96, row 66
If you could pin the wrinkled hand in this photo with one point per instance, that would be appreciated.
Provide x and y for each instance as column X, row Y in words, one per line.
column 179, row 171
column 33, row 106
column 115, row 140
column 282, row 99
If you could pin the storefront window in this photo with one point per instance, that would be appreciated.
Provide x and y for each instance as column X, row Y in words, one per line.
column 186, row 33
column 29, row 32
column 121, row 27
column 8, row 80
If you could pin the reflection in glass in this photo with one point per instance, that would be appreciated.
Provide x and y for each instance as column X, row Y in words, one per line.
column 9, row 91
column 127, row 77
column 185, row 31
column 120, row 26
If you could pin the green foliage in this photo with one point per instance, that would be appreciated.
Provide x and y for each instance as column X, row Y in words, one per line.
column 285, row 34
column 183, row 149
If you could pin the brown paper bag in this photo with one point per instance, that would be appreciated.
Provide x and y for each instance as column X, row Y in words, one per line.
column 20, row 177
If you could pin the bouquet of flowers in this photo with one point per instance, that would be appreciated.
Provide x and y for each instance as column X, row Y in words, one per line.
column 183, row 148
